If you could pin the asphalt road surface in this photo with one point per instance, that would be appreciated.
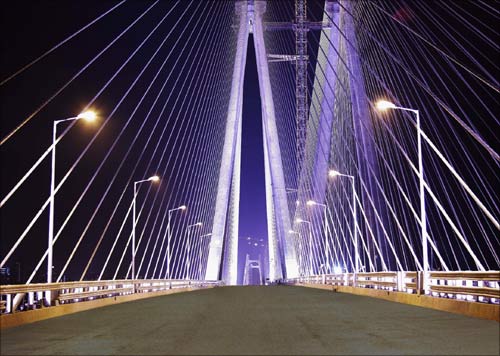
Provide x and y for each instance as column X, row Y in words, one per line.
column 277, row 320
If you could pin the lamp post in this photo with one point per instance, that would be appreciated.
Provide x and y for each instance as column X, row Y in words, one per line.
column 383, row 105
column 188, row 261
column 333, row 173
column 327, row 245
column 300, row 221
column 299, row 247
column 134, row 219
column 182, row 207
column 200, row 253
column 88, row 116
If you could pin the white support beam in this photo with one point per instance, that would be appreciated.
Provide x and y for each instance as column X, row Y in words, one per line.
column 275, row 270
column 281, row 213
column 320, row 123
column 230, row 265
column 229, row 150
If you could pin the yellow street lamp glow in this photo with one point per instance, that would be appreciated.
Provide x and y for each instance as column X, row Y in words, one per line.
column 154, row 178
column 384, row 105
column 88, row 115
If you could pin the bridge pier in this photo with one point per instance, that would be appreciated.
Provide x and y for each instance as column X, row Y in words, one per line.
column 228, row 185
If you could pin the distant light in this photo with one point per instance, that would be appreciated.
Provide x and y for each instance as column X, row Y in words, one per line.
column 337, row 269
column 297, row 202
column 183, row 207
column 291, row 231
column 299, row 220
column 199, row 224
column 333, row 173
column 311, row 202
column 154, row 178
column 384, row 105
column 88, row 115
column 256, row 244
column 249, row 238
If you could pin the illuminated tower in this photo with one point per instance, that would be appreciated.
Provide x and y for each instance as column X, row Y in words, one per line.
column 222, row 259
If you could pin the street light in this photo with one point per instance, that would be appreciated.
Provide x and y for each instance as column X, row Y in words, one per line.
column 88, row 116
column 300, row 221
column 182, row 208
column 383, row 105
column 200, row 254
column 155, row 179
column 188, row 261
column 325, row 209
column 332, row 174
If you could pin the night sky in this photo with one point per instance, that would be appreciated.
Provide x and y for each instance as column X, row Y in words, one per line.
column 253, row 199
column 253, row 220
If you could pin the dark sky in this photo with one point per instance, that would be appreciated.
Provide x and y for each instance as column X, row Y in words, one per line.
column 253, row 220
column 252, row 199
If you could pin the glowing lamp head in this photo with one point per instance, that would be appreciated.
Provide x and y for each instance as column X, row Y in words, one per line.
column 291, row 232
column 88, row 116
column 183, row 207
column 384, row 105
column 299, row 220
column 154, row 178
column 311, row 202
column 337, row 269
column 199, row 224
column 333, row 173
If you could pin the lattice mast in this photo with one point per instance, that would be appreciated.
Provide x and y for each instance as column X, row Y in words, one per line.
column 301, row 103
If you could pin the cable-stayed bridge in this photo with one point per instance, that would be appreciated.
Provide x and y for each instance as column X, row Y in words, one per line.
column 122, row 131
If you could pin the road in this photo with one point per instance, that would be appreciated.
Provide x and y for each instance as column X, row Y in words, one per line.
column 278, row 320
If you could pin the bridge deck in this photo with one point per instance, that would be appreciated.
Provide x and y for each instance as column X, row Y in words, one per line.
column 256, row 320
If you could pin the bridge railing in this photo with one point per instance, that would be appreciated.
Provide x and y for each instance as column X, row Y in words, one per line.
column 465, row 285
column 22, row 297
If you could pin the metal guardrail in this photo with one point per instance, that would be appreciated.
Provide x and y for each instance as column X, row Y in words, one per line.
column 19, row 297
column 466, row 285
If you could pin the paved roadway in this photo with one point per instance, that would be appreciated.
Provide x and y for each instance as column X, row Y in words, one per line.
column 256, row 320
